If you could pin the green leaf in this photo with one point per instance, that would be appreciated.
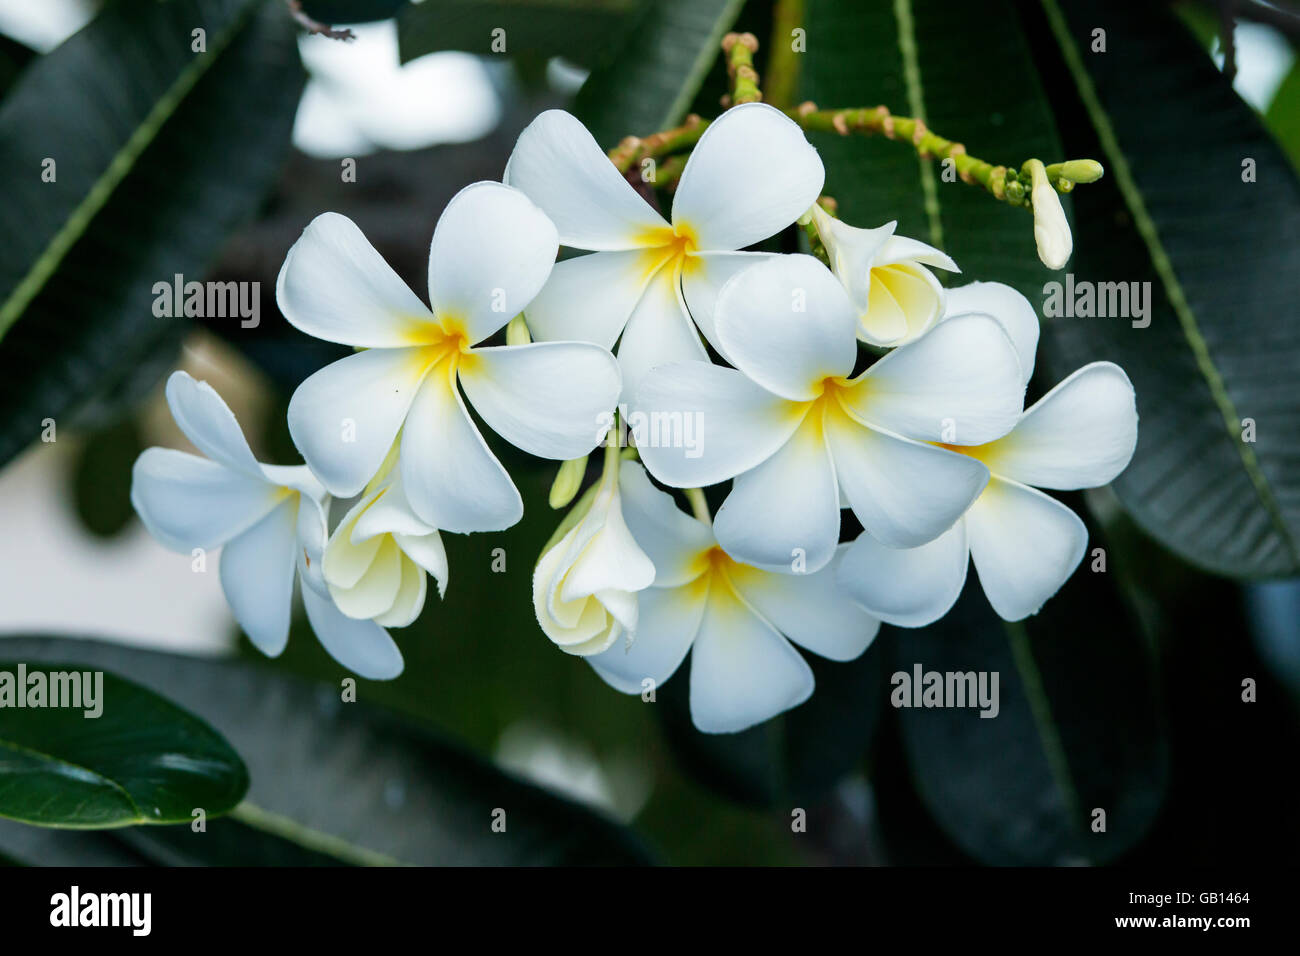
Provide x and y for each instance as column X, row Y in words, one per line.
column 347, row 782
column 139, row 759
column 14, row 57
column 579, row 30
column 650, row 80
column 101, row 477
column 1078, row 728
column 160, row 152
column 1219, row 254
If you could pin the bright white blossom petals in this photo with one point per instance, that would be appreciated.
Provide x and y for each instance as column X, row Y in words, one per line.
column 659, row 332
column 562, row 169
column 450, row 476
column 752, row 173
column 787, row 324
column 344, row 417
column 335, row 286
column 428, row 551
column 668, row 621
column 363, row 647
column 784, row 514
column 742, row 671
column 703, row 277
column 904, row 492
column 188, row 502
column 809, row 609
column 409, row 600
column 1012, row 310
column 907, row 587
column 1081, row 434
column 589, row 298
column 1051, row 229
column 492, row 251
column 894, row 296
column 739, row 424
column 1025, row 546
column 209, row 423
column 960, row 384
column 257, row 570
column 585, row 586
column 545, row 397
column 672, row 539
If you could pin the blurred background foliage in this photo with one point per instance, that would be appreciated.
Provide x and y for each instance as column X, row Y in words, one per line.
column 1125, row 693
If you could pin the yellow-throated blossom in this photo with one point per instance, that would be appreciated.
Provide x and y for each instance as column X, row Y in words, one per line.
column 736, row 621
column 1025, row 545
column 795, row 430
column 752, row 174
column 268, row 520
column 897, row 299
column 492, row 250
column 376, row 559
column 585, row 585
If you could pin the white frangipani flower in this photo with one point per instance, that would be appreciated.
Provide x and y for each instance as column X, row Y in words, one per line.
column 897, row 299
column 269, row 521
column 376, row 558
column 1025, row 545
column 1051, row 229
column 795, row 431
column 585, row 585
column 492, row 250
column 752, row 174
column 737, row 621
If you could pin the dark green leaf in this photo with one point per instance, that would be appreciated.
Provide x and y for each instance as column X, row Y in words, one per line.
column 121, row 755
column 101, row 477
column 14, row 56
column 650, row 80
column 1220, row 256
column 160, row 152
column 580, row 30
column 351, row 11
column 1078, row 728
column 348, row 782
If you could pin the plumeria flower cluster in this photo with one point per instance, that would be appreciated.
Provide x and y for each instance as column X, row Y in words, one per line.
column 857, row 383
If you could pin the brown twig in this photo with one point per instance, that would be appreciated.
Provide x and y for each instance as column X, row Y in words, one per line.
column 315, row 27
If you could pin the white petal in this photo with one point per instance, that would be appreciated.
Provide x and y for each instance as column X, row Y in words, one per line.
column 257, row 571
column 742, row 671
column 787, row 324
column 409, row 601
column 784, row 515
column 562, row 169
column 907, row 587
column 335, row 286
column 363, row 647
column 209, row 423
column 344, row 417
column 589, row 298
column 1012, row 310
column 1081, row 434
column 752, row 173
column 387, row 512
column 605, row 558
column 547, row 398
column 1025, row 546
column 428, row 551
column 189, row 502
column 672, row 539
column 492, row 252
column 902, row 249
column 905, row 493
column 903, row 303
column 659, row 332
column 697, row 424
column 313, row 530
column 809, row 609
column 959, row 384
column 451, row 478
column 376, row 590
column 703, row 276
column 669, row 618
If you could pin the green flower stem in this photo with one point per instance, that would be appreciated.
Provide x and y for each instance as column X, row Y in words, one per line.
column 782, row 61
column 739, row 49
column 699, row 507
column 669, row 171
column 633, row 149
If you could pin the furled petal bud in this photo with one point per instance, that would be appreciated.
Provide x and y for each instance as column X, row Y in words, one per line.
column 1051, row 231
